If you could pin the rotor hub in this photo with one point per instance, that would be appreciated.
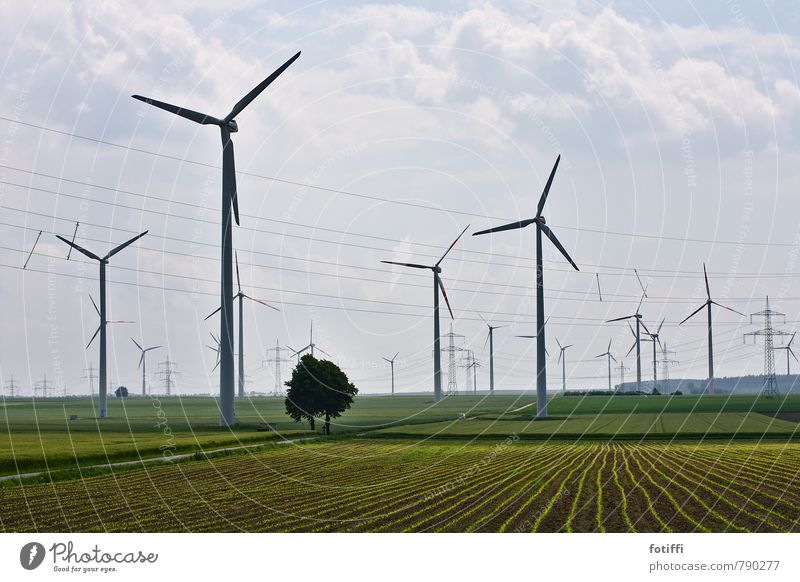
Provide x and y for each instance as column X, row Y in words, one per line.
column 232, row 126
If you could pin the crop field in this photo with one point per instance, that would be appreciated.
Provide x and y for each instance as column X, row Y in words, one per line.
column 362, row 485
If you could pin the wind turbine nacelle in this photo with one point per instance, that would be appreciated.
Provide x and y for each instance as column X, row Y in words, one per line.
column 232, row 126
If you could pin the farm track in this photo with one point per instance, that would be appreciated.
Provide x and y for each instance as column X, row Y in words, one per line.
column 388, row 486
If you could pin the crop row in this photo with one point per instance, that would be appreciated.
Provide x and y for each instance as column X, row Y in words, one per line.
column 391, row 486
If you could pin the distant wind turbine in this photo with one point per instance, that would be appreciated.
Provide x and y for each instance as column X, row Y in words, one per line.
column 437, row 285
column 241, row 296
column 310, row 347
column 788, row 348
column 639, row 323
column 227, row 126
column 103, row 391
column 490, row 339
column 654, row 337
column 709, row 302
column 541, row 228
column 562, row 358
column 609, row 357
column 391, row 363
column 143, row 364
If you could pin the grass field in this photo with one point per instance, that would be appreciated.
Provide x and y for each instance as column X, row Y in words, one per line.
column 38, row 435
column 688, row 463
column 396, row 486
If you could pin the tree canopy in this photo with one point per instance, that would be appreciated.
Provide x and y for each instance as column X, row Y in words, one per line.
column 318, row 389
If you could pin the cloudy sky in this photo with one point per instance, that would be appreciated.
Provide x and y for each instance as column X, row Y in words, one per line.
column 399, row 125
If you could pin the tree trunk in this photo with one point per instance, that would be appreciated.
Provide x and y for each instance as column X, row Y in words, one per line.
column 311, row 422
column 327, row 424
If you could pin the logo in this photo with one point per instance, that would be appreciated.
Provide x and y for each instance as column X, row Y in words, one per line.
column 31, row 555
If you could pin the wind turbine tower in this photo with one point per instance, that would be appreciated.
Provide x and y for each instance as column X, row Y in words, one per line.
column 103, row 405
column 227, row 125
column 789, row 351
column 490, row 339
column 607, row 354
column 143, row 364
column 709, row 302
column 562, row 358
column 437, row 286
column 541, row 228
column 391, row 363
column 638, row 335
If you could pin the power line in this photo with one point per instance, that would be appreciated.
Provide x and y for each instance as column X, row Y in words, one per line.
column 183, row 160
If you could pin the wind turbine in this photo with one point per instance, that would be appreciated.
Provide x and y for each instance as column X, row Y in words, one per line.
column 788, row 348
column 437, row 285
column 227, row 125
column 609, row 357
column 103, row 405
column 215, row 348
column 654, row 338
column 241, row 297
column 143, row 364
column 490, row 339
column 310, row 347
column 562, row 358
column 391, row 363
column 541, row 227
column 639, row 323
column 709, row 302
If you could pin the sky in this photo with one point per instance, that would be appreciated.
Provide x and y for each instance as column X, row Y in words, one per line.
column 399, row 126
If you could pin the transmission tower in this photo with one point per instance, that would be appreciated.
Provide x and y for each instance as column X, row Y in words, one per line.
column 12, row 387
column 451, row 349
column 666, row 362
column 42, row 387
column 768, row 333
column 91, row 375
column 276, row 360
column 622, row 368
column 167, row 369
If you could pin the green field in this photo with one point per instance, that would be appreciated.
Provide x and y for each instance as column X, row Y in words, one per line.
column 361, row 485
column 405, row 463
column 38, row 435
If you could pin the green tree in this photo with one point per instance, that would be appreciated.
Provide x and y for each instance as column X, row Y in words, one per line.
column 318, row 389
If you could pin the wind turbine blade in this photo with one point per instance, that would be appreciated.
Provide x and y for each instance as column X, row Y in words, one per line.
column 153, row 348
column 264, row 303
column 560, row 353
column 630, row 350
column 413, row 265
column 79, row 248
column 94, row 336
column 256, row 91
column 619, row 319
column 117, row 249
column 728, row 308
column 630, row 327
column 612, row 357
column 395, row 356
column 608, row 349
column 694, row 312
column 93, row 303
column 452, row 245
column 549, row 233
column 212, row 313
column 238, row 280
column 644, row 289
column 137, row 344
column 486, row 341
column 559, row 344
column 546, row 191
column 601, row 355
column 444, row 294
column 387, row 360
column 510, row 226
column 644, row 293
column 141, row 359
column 229, row 171
column 597, row 278
column 526, row 336
column 705, row 276
column 195, row 116
column 792, row 352
column 658, row 331
column 791, row 340
column 647, row 331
